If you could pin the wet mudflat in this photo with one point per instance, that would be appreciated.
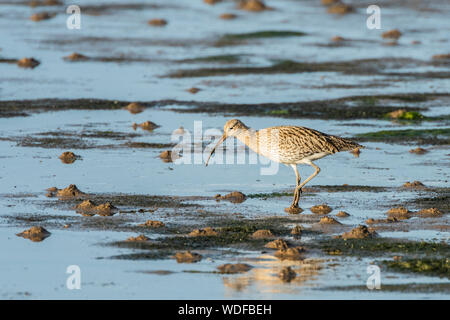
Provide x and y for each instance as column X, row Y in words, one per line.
column 93, row 170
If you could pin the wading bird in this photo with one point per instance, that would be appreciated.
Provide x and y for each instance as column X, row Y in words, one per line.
column 289, row 145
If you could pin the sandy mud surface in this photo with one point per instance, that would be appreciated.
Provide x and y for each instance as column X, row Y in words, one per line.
column 90, row 122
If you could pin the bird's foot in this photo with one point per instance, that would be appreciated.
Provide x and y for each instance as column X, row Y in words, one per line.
column 293, row 209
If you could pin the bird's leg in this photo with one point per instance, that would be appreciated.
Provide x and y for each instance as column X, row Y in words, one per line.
column 297, row 191
column 299, row 188
column 297, row 195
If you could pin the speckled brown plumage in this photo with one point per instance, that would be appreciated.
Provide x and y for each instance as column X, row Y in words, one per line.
column 290, row 145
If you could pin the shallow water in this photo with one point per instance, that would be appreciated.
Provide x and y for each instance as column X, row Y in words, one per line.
column 30, row 270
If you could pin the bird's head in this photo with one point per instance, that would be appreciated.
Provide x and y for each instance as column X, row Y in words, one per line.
column 231, row 129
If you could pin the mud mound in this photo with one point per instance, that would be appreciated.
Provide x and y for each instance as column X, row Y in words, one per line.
column 342, row 214
column 340, row 8
column 397, row 114
column 76, row 57
column 157, row 22
column 51, row 192
column 291, row 210
column 35, row 3
column 401, row 213
column 35, row 234
column 297, row 231
column 321, row 209
column 71, row 192
column 229, row 268
column 205, row 232
column 135, row 108
column 153, row 224
column 418, row 150
column 194, row 90
column 234, row 197
column 139, row 238
column 252, row 5
column 168, row 156
column 262, row 234
column 277, row 244
column 387, row 220
column 287, row 274
column 89, row 208
column 227, row 16
column 430, row 212
column 328, row 220
column 68, row 157
column 392, row 34
column 290, row 253
column 41, row 16
column 28, row 63
column 360, row 232
column 188, row 257
column 441, row 56
column 414, row 185
column 105, row 209
column 338, row 39
column 329, row 2
column 86, row 205
column 147, row 125
column 356, row 152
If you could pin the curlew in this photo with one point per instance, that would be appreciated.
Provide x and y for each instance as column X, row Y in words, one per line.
column 289, row 145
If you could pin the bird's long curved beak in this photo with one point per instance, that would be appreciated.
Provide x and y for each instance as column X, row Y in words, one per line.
column 222, row 139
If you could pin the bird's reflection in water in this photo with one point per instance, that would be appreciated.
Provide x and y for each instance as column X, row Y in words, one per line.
column 265, row 276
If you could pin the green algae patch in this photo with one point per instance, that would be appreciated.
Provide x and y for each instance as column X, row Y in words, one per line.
column 347, row 188
column 262, row 35
column 352, row 107
column 309, row 191
column 437, row 136
column 89, row 139
column 242, row 230
column 279, row 112
column 146, row 255
column 405, row 116
column 357, row 67
column 405, row 133
column 279, row 67
column 411, row 115
column 342, row 108
column 146, row 145
column 400, row 287
column 142, row 201
column 440, row 200
column 367, row 100
column 223, row 58
column 225, row 237
column 381, row 246
column 437, row 266
column 402, row 114
column 54, row 142
column 269, row 195
column 230, row 233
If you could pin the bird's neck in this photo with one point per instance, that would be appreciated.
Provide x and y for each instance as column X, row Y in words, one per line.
column 249, row 137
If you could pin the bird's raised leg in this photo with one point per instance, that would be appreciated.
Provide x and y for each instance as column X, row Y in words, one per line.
column 299, row 187
column 294, row 206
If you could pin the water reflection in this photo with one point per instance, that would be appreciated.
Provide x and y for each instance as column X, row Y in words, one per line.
column 265, row 276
